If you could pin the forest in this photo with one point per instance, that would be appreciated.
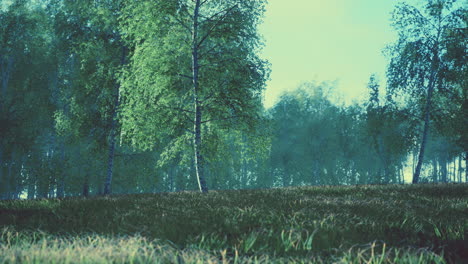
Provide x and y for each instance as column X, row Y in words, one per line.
column 129, row 97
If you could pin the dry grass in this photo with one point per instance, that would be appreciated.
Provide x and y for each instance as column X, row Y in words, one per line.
column 27, row 247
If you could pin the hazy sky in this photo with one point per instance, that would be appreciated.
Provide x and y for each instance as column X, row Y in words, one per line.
column 320, row 40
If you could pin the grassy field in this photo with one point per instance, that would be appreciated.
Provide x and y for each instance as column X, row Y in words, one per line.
column 353, row 224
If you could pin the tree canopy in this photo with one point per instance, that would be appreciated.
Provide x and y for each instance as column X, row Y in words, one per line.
column 101, row 97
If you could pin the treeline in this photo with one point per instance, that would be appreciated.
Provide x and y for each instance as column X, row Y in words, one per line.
column 154, row 96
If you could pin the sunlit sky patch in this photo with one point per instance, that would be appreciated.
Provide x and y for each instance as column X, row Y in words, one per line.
column 320, row 40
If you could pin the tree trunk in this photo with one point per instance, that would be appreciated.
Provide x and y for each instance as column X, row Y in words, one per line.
column 9, row 179
column 42, row 181
column 443, row 168
column 61, row 180
column 427, row 119
column 32, row 184
column 111, row 155
column 85, row 191
column 171, row 179
column 178, row 187
column 398, row 172
column 454, row 170
column 199, row 160
column 379, row 173
column 244, row 174
column 21, row 171
column 244, row 163
column 18, row 180
column 435, row 173
column 460, row 169
column 113, row 134
column 402, row 175
column 386, row 174
column 1, row 173
column 6, row 67
column 197, row 139
column 316, row 173
column 466, row 166
column 427, row 113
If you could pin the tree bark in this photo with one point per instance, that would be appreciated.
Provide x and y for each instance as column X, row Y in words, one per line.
column 171, row 179
column 197, row 138
column 435, row 172
column 18, row 179
column 32, row 183
column 466, row 167
column 1, row 172
column 315, row 172
column 85, row 191
column 6, row 67
column 427, row 117
column 244, row 170
column 443, row 168
column 61, row 180
column 111, row 155
column 460, row 169
column 454, row 170
column 9, row 179
column 113, row 135
column 402, row 175
column 425, row 134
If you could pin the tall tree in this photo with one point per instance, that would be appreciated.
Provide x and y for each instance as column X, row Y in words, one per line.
column 89, row 31
column 25, row 110
column 418, row 62
column 195, row 66
column 388, row 130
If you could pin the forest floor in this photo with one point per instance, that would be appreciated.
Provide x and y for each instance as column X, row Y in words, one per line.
column 346, row 224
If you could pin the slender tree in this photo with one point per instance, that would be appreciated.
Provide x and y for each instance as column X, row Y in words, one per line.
column 195, row 67
column 417, row 59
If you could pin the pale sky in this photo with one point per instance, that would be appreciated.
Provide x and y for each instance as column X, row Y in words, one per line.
column 326, row 40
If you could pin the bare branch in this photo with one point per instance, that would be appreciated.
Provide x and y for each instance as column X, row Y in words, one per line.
column 185, row 76
column 179, row 109
column 220, row 119
column 183, row 24
column 203, row 54
column 189, row 131
column 207, row 98
column 214, row 15
column 227, row 11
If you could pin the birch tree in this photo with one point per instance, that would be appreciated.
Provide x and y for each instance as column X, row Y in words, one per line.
column 419, row 63
column 93, row 47
column 195, row 67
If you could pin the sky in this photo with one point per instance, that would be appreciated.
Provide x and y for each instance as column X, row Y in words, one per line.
column 326, row 40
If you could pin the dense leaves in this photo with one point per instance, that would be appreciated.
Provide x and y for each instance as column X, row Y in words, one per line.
column 100, row 96
column 424, row 65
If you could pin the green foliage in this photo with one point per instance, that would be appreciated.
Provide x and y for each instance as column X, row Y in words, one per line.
column 424, row 71
column 91, row 89
column 157, row 85
column 361, row 224
column 316, row 141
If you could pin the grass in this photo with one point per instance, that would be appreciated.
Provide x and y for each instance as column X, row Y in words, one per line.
column 347, row 224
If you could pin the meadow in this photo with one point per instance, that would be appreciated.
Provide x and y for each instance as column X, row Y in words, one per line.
column 323, row 224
